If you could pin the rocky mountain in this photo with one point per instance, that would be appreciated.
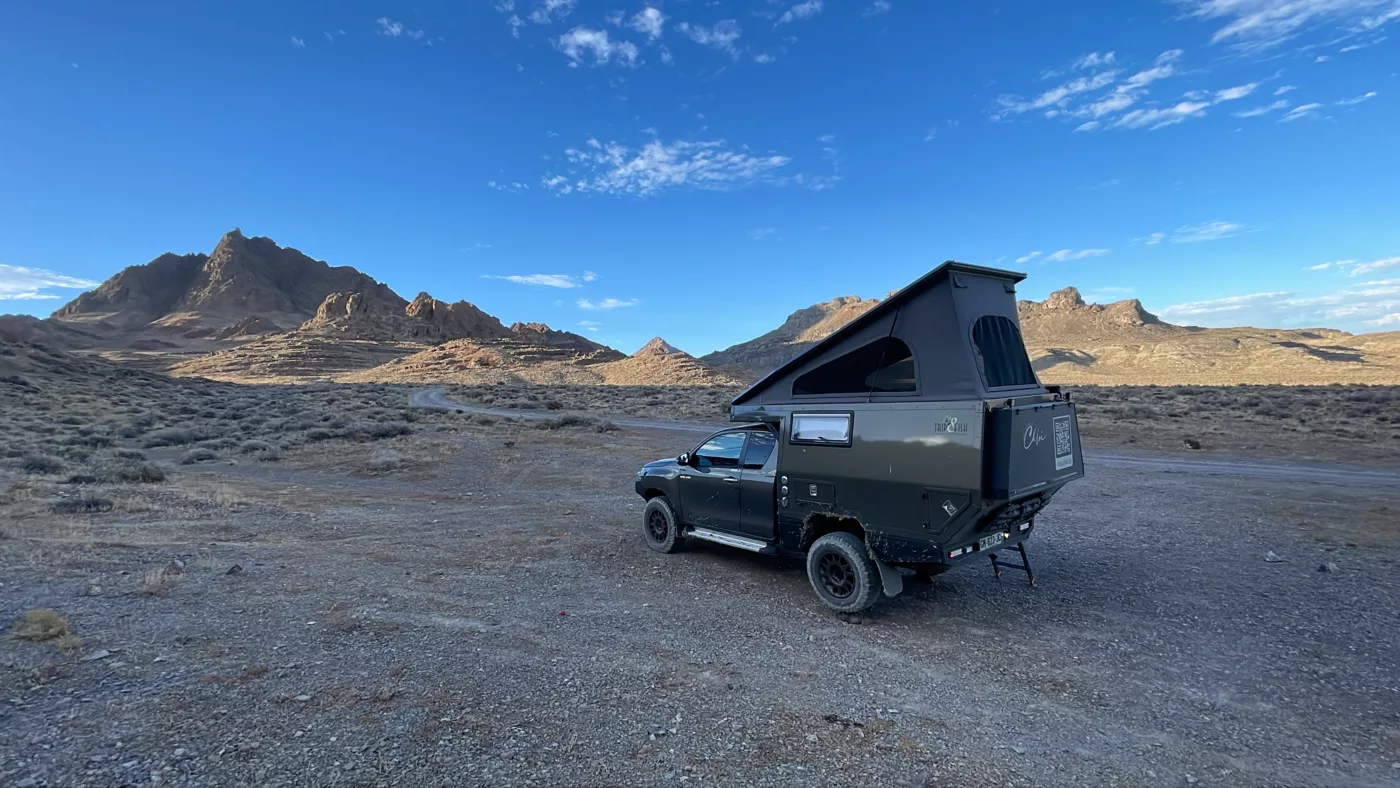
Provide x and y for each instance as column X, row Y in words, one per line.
column 801, row 330
column 1121, row 343
column 658, row 347
column 197, row 295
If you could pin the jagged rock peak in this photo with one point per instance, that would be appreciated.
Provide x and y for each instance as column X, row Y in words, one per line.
column 659, row 347
column 1065, row 298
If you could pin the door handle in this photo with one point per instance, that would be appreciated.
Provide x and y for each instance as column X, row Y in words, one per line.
column 730, row 480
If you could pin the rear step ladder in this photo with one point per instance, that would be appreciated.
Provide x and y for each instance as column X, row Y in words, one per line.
column 1024, row 566
column 731, row 540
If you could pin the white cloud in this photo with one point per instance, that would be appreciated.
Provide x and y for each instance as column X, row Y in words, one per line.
column 392, row 29
column 589, row 323
column 1157, row 118
column 505, row 6
column 1254, row 25
column 1284, row 89
column 585, row 45
column 1301, row 111
column 515, row 23
column 648, row 21
column 1065, row 255
column 1092, row 125
column 547, row 11
column 1336, row 263
column 18, row 283
column 1058, row 96
column 514, row 187
column 298, row 43
column 1358, row 99
column 1094, row 60
column 802, row 10
column 931, row 134
column 606, row 303
column 1206, row 231
column 1026, row 258
column 721, row 36
column 1154, row 239
column 1322, row 58
column 762, row 233
column 1375, row 265
column 1232, row 94
column 1365, row 303
column 1386, row 320
column 764, row 58
column 877, row 7
column 546, row 280
column 1263, row 110
column 666, row 56
column 614, row 168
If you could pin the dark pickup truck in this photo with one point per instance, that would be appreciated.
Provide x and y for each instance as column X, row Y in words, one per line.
column 914, row 437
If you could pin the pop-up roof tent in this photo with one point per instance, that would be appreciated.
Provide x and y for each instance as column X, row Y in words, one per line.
column 950, row 335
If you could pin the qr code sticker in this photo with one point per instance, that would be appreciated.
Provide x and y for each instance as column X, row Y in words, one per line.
column 1064, row 450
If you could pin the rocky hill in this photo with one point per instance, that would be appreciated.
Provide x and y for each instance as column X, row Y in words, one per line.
column 197, row 295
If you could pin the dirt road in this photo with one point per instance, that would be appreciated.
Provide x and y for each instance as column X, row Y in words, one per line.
column 1309, row 473
column 488, row 615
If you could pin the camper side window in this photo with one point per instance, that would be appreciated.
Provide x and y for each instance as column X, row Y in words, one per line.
column 1001, row 355
column 883, row 366
column 825, row 429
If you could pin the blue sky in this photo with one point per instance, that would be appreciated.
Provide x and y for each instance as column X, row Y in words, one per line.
column 701, row 169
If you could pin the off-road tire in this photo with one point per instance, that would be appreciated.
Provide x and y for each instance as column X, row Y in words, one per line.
column 659, row 527
column 842, row 573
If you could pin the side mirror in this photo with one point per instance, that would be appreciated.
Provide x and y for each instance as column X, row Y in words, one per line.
column 684, row 459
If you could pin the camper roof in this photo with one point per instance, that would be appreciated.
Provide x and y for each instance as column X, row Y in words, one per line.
column 951, row 334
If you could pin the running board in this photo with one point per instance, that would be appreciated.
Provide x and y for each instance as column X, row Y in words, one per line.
column 731, row 540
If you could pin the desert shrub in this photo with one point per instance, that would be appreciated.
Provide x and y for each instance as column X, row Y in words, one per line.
column 171, row 436
column 383, row 460
column 84, row 503
column 133, row 472
column 129, row 454
column 388, row 429
column 218, row 444
column 198, row 455
column 254, row 447
column 268, row 455
column 41, row 463
column 605, row 426
column 318, row 434
column 562, row 422
column 94, row 441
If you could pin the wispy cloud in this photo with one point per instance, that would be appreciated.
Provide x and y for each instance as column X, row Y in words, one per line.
column 1066, row 255
column 1368, row 303
column 721, row 35
column 1254, row 25
column 617, row 169
column 1358, row 99
column 392, row 29
column 546, row 280
column 1263, row 110
column 1106, row 99
column 514, row 187
column 762, row 233
column 584, row 45
column 877, row 7
column 1154, row 239
column 547, row 11
column 649, row 21
column 802, row 10
column 18, row 283
column 607, row 303
column 1299, row 112
column 1331, row 264
column 1026, row 258
column 1206, row 231
column 1375, row 265
column 1282, row 89
column 298, row 43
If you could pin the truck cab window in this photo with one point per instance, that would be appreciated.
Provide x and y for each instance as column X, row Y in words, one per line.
column 885, row 365
column 759, row 449
column 721, row 451
column 1001, row 355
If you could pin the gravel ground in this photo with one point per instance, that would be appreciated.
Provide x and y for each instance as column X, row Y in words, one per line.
column 492, row 617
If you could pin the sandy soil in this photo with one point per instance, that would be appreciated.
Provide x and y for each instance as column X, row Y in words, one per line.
column 471, row 603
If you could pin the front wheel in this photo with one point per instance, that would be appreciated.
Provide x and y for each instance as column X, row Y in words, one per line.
column 842, row 573
column 659, row 526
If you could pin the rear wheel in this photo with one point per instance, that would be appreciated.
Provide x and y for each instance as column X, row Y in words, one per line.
column 842, row 573
column 659, row 526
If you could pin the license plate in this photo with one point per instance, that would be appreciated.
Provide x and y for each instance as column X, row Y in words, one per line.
column 988, row 542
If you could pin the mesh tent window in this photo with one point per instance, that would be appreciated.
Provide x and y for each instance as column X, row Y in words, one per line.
column 1001, row 355
column 883, row 366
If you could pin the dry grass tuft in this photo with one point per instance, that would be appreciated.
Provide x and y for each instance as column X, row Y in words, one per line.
column 42, row 625
column 198, row 455
column 159, row 581
column 41, row 464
